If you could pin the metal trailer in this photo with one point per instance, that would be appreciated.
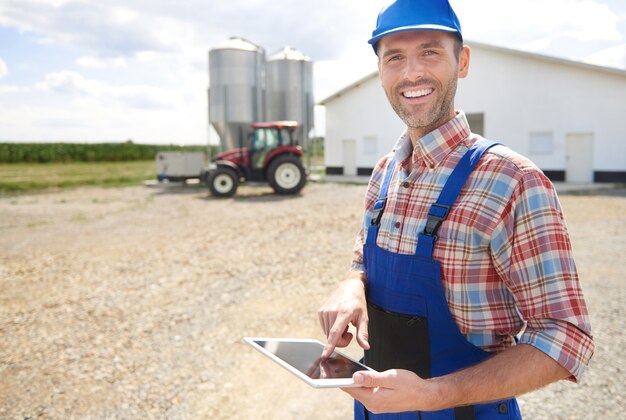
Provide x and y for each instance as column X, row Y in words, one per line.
column 180, row 166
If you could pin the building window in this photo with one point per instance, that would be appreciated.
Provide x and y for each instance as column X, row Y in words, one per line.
column 541, row 143
column 370, row 145
column 476, row 123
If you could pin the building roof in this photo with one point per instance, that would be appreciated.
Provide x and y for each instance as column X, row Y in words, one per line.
column 348, row 88
column 509, row 51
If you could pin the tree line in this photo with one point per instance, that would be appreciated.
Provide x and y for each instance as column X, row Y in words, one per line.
column 85, row 152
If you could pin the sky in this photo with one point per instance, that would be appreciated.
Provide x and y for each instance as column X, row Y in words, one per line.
column 118, row 70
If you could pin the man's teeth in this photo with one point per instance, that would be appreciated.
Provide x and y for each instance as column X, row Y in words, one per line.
column 417, row 93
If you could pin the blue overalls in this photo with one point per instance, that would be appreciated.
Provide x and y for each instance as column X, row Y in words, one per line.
column 410, row 324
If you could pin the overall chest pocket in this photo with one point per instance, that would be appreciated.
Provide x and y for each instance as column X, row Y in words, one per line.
column 398, row 341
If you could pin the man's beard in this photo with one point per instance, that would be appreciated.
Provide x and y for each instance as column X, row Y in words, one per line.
column 433, row 117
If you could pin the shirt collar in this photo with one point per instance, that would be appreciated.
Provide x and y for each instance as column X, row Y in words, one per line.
column 435, row 146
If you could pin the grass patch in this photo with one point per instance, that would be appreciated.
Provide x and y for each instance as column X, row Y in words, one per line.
column 30, row 177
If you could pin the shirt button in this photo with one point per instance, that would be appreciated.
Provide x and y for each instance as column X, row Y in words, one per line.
column 406, row 184
column 397, row 225
column 503, row 408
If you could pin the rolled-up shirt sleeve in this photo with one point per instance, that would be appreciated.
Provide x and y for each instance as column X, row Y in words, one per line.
column 532, row 253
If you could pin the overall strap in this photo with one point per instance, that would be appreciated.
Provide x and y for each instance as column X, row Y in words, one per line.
column 379, row 205
column 449, row 194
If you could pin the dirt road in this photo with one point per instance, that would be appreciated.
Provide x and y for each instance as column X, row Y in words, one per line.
column 132, row 302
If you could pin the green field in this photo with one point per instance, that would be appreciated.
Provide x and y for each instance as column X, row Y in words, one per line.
column 28, row 177
column 18, row 178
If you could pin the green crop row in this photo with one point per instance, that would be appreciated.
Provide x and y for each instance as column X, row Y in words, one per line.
column 84, row 152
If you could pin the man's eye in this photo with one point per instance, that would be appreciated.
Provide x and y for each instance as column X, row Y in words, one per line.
column 430, row 52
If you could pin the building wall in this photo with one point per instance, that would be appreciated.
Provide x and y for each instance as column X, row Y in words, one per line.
column 518, row 95
column 522, row 95
column 360, row 114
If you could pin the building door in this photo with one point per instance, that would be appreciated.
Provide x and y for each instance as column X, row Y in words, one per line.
column 349, row 157
column 579, row 157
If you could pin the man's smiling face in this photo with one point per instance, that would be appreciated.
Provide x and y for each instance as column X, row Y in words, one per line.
column 419, row 72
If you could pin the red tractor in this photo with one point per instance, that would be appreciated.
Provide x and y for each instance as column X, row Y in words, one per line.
column 273, row 156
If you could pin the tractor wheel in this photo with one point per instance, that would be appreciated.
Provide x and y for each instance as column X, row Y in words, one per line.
column 223, row 182
column 286, row 175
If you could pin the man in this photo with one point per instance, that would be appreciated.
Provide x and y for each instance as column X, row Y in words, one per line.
column 463, row 290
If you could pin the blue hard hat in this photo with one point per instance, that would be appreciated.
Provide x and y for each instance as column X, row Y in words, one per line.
column 411, row 15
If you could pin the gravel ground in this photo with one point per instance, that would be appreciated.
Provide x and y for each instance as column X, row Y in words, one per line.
column 132, row 302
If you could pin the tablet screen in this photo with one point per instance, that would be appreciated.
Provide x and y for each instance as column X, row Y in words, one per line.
column 305, row 356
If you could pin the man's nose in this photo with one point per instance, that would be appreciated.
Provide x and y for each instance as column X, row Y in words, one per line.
column 414, row 68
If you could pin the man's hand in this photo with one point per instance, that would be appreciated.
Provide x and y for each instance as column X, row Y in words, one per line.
column 344, row 307
column 394, row 391
column 513, row 371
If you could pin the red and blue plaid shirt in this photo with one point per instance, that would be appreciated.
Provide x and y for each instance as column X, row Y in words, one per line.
column 506, row 258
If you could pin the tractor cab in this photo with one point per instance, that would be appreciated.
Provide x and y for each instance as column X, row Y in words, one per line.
column 273, row 156
column 268, row 140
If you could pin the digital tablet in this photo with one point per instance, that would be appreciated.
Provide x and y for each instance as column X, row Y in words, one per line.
column 302, row 357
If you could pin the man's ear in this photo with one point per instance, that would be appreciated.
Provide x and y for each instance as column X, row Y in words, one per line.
column 464, row 60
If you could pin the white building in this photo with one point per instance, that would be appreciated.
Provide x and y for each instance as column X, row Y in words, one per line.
column 568, row 117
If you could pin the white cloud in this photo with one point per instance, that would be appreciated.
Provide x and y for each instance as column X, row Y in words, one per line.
column 147, row 97
column 76, row 122
column 101, row 63
column 122, row 15
column 104, row 29
column 588, row 20
column 333, row 75
column 522, row 22
column 145, row 56
column 69, row 82
column 138, row 68
column 131, row 96
column 4, row 70
column 126, row 27
column 539, row 44
column 53, row 3
column 9, row 89
column 175, row 39
column 610, row 57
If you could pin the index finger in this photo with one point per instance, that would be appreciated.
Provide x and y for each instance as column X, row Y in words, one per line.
column 339, row 328
column 328, row 350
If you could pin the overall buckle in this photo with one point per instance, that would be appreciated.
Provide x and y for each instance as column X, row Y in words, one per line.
column 436, row 215
column 377, row 212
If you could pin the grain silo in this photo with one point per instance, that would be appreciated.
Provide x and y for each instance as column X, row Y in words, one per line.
column 236, row 78
column 289, row 90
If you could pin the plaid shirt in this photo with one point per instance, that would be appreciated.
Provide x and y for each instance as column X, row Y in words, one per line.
column 507, row 265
